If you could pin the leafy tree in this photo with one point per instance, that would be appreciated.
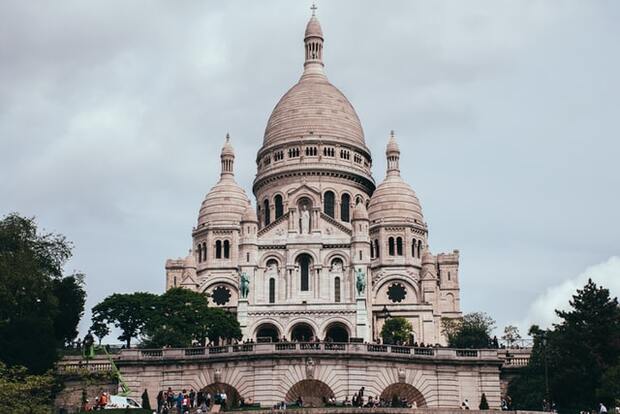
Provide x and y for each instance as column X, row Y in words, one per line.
column 472, row 331
column 183, row 316
column 396, row 330
column 129, row 312
column 71, row 300
column 100, row 330
column 609, row 390
column 39, row 306
column 222, row 324
column 21, row 392
column 484, row 404
column 511, row 334
column 581, row 354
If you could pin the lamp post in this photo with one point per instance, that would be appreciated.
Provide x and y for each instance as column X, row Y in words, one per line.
column 547, row 396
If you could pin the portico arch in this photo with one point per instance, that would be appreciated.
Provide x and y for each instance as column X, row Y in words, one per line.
column 398, row 392
column 302, row 332
column 232, row 395
column 337, row 332
column 313, row 393
column 268, row 330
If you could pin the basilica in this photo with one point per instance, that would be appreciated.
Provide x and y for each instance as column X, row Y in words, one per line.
column 325, row 253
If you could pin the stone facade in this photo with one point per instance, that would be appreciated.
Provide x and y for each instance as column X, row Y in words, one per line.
column 325, row 253
column 271, row 373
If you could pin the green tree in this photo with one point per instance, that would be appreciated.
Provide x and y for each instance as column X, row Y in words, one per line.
column 40, row 307
column 396, row 330
column 472, row 331
column 128, row 312
column 182, row 316
column 511, row 334
column 222, row 325
column 100, row 330
column 484, row 404
column 71, row 297
column 580, row 352
column 23, row 393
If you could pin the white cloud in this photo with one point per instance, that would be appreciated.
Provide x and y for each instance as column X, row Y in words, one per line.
column 542, row 309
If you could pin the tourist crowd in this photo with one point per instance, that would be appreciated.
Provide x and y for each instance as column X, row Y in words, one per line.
column 170, row 402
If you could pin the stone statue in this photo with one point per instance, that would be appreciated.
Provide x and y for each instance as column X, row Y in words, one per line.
column 360, row 281
column 305, row 220
column 244, row 285
column 310, row 369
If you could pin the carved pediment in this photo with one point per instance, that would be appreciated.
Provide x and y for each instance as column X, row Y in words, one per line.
column 304, row 188
column 276, row 232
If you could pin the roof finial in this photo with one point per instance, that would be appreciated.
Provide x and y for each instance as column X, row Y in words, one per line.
column 313, row 8
column 227, row 137
column 392, row 134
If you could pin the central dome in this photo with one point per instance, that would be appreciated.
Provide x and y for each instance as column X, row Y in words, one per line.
column 314, row 106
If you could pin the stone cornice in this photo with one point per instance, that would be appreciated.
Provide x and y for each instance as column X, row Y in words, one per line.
column 316, row 169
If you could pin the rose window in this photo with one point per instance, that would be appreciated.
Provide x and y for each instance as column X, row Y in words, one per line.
column 397, row 292
column 221, row 295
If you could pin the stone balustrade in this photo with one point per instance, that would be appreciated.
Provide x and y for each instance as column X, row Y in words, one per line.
column 307, row 348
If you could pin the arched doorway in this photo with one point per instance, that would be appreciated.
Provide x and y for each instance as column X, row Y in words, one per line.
column 267, row 330
column 313, row 393
column 337, row 332
column 232, row 395
column 302, row 332
column 396, row 393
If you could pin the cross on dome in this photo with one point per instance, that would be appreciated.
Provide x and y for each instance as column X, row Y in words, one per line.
column 313, row 8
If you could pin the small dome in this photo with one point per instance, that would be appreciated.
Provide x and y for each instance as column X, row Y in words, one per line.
column 250, row 214
column 395, row 201
column 427, row 258
column 228, row 149
column 313, row 29
column 359, row 212
column 190, row 261
column 392, row 145
column 224, row 204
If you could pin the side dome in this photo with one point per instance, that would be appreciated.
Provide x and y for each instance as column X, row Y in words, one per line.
column 224, row 204
column 226, row 201
column 395, row 201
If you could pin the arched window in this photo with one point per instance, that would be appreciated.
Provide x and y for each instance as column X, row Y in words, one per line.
column 218, row 249
column 420, row 248
column 226, row 249
column 361, row 255
column 279, row 206
column 345, row 202
column 399, row 246
column 329, row 201
column 304, row 261
column 391, row 246
column 337, row 289
column 204, row 252
column 199, row 253
column 272, row 290
column 247, row 257
column 372, row 250
column 377, row 251
column 413, row 248
column 266, row 211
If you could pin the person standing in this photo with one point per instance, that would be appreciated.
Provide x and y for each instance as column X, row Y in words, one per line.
column 192, row 398
column 602, row 409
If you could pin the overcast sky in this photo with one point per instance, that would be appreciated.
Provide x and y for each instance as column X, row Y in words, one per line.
column 112, row 115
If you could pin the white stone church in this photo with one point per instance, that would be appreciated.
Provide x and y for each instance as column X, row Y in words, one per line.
column 326, row 254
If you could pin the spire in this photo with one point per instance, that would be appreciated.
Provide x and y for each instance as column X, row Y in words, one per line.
column 228, row 158
column 392, row 152
column 313, row 46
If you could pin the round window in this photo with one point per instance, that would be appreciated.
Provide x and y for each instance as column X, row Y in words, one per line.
column 397, row 292
column 221, row 295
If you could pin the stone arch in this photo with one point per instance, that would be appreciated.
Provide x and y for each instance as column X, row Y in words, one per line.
column 302, row 321
column 315, row 259
column 404, row 280
column 337, row 331
column 254, row 327
column 402, row 391
column 313, row 393
column 232, row 395
column 315, row 199
column 336, row 255
column 267, row 329
column 272, row 255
